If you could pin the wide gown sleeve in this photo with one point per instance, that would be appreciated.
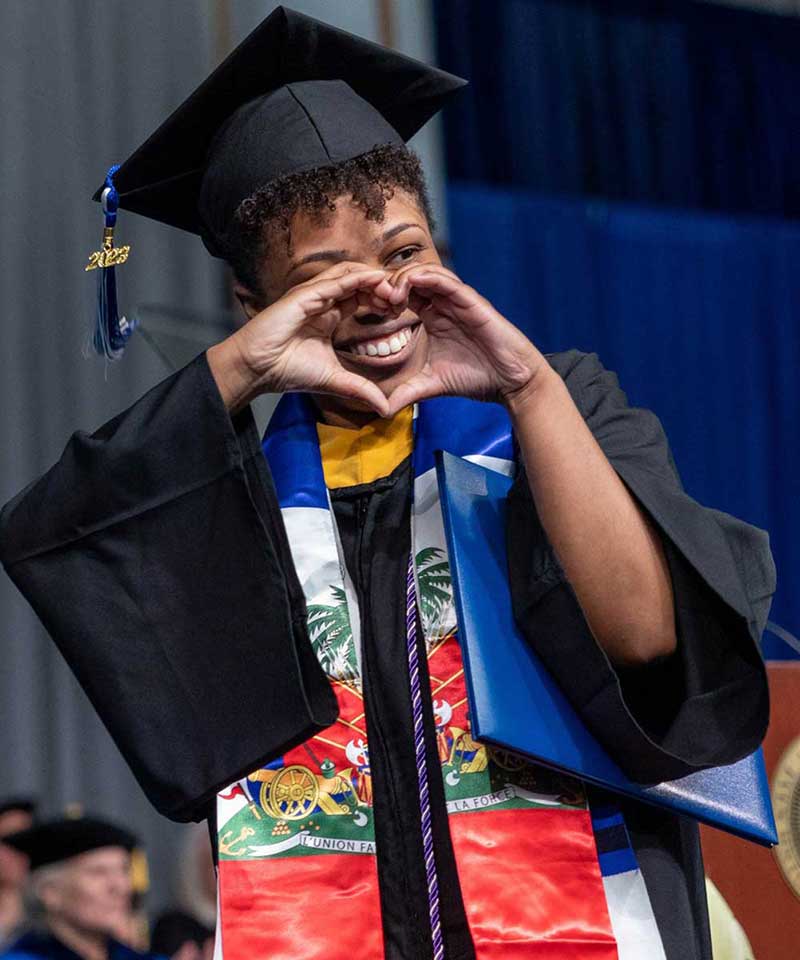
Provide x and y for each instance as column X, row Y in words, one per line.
column 155, row 556
column 708, row 703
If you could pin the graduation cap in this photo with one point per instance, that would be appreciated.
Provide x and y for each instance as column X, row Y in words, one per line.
column 295, row 95
column 55, row 840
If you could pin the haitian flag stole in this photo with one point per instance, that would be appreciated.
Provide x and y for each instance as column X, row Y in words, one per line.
column 297, row 866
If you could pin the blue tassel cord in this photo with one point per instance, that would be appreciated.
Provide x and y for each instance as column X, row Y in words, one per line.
column 111, row 332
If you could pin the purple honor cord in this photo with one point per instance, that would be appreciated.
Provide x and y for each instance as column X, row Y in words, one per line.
column 422, row 767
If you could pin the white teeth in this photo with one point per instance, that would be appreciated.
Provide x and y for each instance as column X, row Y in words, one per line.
column 383, row 348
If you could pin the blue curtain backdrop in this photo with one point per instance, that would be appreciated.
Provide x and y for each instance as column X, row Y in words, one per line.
column 659, row 101
column 698, row 315
column 607, row 166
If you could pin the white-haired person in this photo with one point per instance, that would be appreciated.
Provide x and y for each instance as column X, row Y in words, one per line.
column 81, row 890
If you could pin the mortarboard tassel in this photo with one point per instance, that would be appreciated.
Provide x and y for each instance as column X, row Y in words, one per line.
column 140, row 872
column 111, row 332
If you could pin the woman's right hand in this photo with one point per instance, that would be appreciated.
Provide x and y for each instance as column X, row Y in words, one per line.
column 288, row 347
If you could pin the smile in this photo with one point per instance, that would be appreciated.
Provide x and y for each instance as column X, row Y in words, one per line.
column 390, row 345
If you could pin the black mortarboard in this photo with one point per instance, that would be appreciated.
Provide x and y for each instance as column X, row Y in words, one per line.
column 57, row 840
column 23, row 803
column 295, row 95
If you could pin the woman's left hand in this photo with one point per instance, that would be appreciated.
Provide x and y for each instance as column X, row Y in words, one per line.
column 472, row 350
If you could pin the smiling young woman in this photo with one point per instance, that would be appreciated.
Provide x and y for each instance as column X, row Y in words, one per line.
column 283, row 612
column 369, row 332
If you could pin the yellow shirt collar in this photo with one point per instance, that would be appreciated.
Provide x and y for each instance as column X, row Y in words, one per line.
column 351, row 457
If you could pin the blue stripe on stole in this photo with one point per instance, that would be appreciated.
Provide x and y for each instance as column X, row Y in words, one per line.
column 291, row 446
column 462, row 427
column 617, row 861
column 608, row 820
column 614, row 852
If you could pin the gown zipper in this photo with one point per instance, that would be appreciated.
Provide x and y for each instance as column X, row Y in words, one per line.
column 374, row 734
column 425, row 929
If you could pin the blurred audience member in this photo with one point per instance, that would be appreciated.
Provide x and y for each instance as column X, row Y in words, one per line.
column 81, row 891
column 181, row 937
column 16, row 814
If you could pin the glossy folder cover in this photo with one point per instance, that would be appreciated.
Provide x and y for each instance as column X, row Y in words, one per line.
column 515, row 703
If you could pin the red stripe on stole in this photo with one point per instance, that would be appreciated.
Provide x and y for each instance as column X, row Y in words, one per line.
column 323, row 907
column 532, row 885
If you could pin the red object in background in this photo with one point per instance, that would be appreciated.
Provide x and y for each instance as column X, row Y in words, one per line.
column 748, row 876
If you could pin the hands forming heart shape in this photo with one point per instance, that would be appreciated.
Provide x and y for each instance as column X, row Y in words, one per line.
column 466, row 348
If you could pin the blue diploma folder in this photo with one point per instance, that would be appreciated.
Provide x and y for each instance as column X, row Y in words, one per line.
column 516, row 704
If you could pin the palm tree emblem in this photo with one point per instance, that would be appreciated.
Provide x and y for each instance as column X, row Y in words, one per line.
column 435, row 593
column 332, row 636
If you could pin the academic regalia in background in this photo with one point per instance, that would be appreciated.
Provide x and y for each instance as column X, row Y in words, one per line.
column 43, row 946
column 156, row 555
column 54, row 841
column 57, row 841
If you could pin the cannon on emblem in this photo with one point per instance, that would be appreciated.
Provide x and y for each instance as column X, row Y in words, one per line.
column 295, row 792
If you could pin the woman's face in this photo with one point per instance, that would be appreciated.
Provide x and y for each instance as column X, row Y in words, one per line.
column 386, row 349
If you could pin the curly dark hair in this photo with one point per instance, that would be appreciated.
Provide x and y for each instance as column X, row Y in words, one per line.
column 266, row 215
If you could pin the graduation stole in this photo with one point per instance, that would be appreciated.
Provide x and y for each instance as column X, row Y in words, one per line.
column 297, row 839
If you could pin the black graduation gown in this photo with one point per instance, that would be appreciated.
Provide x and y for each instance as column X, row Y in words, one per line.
column 154, row 554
